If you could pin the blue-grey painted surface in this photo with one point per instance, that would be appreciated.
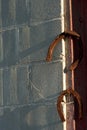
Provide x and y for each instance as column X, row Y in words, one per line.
column 29, row 86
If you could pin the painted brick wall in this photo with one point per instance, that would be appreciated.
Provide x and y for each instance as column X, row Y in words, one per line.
column 29, row 86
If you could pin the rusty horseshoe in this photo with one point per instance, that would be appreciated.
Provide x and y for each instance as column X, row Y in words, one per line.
column 66, row 34
column 60, row 99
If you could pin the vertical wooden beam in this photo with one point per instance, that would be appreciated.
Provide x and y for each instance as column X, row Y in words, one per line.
column 69, row 56
column 80, row 75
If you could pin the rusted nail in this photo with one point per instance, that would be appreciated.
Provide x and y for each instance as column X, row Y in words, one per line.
column 81, row 20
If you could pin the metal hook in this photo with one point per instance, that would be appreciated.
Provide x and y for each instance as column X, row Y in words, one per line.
column 64, row 35
column 60, row 99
